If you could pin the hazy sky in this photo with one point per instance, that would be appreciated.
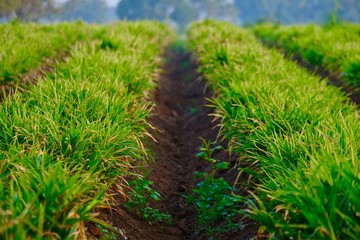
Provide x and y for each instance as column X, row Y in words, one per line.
column 111, row 3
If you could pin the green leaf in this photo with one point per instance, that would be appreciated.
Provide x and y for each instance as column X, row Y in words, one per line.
column 201, row 155
column 222, row 165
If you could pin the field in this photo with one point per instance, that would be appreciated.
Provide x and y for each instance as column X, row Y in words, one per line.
column 124, row 131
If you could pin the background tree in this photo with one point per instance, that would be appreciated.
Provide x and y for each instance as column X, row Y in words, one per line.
column 144, row 9
column 297, row 11
column 183, row 14
column 216, row 9
column 86, row 10
column 180, row 12
column 27, row 10
column 349, row 10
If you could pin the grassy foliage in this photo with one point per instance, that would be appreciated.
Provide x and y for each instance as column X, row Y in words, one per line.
column 299, row 137
column 80, row 131
column 25, row 47
column 335, row 48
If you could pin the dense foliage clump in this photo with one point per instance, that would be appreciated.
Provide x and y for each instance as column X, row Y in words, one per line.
column 299, row 137
column 79, row 132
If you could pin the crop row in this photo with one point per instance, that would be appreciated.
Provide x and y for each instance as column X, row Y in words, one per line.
column 80, row 131
column 336, row 49
column 25, row 47
column 299, row 138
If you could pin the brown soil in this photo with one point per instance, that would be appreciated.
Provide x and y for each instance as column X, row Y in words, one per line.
column 181, row 117
column 183, row 114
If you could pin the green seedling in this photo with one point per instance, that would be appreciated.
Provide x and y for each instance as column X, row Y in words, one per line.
column 140, row 197
column 206, row 153
column 213, row 197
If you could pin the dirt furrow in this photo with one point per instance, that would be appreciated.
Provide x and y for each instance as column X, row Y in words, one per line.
column 180, row 120
column 183, row 118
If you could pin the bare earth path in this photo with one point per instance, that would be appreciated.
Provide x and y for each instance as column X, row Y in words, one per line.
column 182, row 116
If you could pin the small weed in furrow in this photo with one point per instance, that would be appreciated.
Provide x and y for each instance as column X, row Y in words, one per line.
column 215, row 199
column 140, row 196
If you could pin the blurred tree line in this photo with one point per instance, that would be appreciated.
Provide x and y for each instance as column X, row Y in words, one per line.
column 297, row 11
column 182, row 12
column 179, row 12
column 56, row 10
column 26, row 10
column 87, row 10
